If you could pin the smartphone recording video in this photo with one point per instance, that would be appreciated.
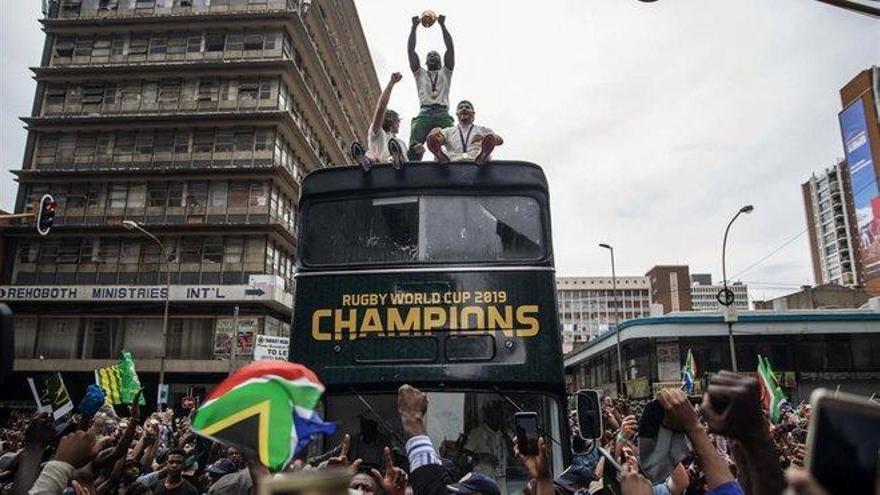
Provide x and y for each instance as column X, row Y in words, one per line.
column 844, row 442
column 526, row 426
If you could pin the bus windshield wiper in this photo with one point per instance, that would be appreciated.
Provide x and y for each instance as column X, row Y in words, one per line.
column 379, row 419
column 520, row 409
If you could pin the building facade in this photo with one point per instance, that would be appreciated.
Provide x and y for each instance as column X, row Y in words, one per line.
column 704, row 297
column 827, row 205
column 587, row 308
column 197, row 120
column 860, row 133
column 670, row 287
column 827, row 296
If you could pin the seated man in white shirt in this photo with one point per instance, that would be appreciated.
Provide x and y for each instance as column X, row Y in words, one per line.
column 383, row 130
column 466, row 141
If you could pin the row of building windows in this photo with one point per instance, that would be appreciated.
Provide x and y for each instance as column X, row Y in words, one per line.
column 167, row 202
column 209, row 94
column 118, row 8
column 137, row 261
column 104, row 338
column 127, row 48
column 159, row 47
column 229, row 147
column 153, row 96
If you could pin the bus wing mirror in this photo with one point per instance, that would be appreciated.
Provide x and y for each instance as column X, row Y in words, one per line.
column 589, row 414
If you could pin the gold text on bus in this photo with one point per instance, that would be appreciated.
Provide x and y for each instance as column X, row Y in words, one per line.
column 339, row 323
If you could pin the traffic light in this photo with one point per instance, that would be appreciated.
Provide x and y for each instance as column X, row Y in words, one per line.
column 46, row 214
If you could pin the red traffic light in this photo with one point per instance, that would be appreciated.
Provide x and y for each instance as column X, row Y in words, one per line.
column 46, row 214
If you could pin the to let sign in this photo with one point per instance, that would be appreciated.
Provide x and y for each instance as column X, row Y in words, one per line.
column 268, row 348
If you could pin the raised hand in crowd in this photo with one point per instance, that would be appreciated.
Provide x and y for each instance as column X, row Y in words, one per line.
column 633, row 483
column 732, row 407
column 394, row 480
column 412, row 405
column 537, row 466
column 680, row 416
column 341, row 460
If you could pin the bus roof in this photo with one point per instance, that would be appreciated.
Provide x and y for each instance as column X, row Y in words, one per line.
column 497, row 174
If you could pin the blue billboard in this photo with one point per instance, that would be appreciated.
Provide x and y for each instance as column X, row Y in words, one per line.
column 863, row 183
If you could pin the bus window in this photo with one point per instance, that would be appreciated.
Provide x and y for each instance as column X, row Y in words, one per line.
column 473, row 430
column 422, row 229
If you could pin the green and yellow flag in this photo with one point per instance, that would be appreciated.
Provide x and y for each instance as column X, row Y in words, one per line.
column 120, row 381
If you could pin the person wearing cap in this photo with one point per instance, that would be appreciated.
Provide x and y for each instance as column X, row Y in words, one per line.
column 475, row 483
column 432, row 83
column 466, row 141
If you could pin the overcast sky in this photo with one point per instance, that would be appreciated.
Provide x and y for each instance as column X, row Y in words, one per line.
column 654, row 122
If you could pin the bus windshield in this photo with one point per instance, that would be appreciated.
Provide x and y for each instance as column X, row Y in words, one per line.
column 422, row 229
column 473, row 430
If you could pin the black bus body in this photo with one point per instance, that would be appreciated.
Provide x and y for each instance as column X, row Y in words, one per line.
column 440, row 276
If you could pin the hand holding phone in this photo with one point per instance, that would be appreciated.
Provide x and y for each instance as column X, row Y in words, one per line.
column 843, row 442
column 526, row 427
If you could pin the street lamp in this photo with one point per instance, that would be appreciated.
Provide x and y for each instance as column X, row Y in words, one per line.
column 730, row 300
column 620, row 387
column 132, row 226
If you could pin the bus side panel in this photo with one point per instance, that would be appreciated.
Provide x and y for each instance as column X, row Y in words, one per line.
column 459, row 329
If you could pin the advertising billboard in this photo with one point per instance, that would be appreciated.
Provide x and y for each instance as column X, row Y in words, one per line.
column 863, row 181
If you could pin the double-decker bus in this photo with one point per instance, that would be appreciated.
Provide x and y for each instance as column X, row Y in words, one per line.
column 440, row 276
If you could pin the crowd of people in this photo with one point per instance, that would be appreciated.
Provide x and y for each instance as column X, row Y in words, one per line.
column 731, row 448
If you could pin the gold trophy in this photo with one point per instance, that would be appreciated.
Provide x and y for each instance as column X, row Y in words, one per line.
column 428, row 18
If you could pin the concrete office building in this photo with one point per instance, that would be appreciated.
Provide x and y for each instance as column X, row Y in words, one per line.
column 705, row 297
column 197, row 120
column 586, row 305
column 830, row 219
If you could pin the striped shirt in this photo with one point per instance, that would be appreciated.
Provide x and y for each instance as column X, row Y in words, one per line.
column 421, row 452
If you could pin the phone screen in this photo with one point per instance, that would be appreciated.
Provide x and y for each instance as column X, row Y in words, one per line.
column 589, row 414
column 846, row 447
column 526, row 424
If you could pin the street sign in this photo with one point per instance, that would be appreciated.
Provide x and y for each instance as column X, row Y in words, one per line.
column 725, row 297
column 268, row 348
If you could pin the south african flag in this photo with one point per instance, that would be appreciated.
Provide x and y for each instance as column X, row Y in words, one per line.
column 266, row 410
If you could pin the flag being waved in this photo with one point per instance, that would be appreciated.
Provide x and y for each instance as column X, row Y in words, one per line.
column 689, row 373
column 773, row 399
column 120, row 381
column 266, row 410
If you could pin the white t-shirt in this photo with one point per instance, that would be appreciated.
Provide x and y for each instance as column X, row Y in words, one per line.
column 377, row 145
column 433, row 86
column 456, row 137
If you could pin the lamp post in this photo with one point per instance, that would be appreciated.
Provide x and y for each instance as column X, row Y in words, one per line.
column 620, row 387
column 131, row 225
column 730, row 300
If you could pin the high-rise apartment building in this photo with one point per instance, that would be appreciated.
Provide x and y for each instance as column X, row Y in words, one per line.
column 196, row 119
column 587, row 309
column 860, row 133
column 827, row 204
column 671, row 287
